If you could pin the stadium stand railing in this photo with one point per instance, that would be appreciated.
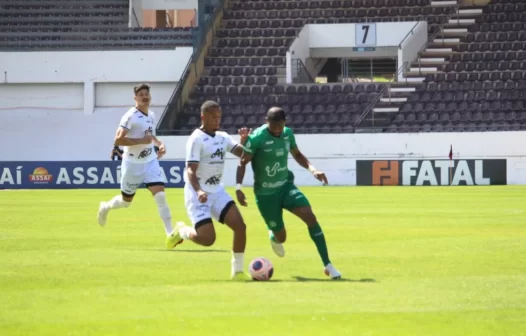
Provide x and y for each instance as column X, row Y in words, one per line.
column 202, row 37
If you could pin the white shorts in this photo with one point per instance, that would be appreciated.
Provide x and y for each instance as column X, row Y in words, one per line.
column 215, row 207
column 134, row 174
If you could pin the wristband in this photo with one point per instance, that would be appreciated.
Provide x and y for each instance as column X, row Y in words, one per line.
column 312, row 169
column 238, row 186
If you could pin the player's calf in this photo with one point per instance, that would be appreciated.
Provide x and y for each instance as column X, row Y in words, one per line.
column 117, row 202
column 276, row 241
column 204, row 234
column 162, row 206
column 318, row 237
column 233, row 219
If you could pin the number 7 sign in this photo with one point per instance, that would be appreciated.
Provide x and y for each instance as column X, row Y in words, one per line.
column 365, row 34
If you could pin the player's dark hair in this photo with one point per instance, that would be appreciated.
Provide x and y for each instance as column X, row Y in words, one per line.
column 140, row 87
column 209, row 105
column 276, row 114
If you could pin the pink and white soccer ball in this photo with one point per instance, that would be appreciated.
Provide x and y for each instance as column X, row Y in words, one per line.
column 261, row 269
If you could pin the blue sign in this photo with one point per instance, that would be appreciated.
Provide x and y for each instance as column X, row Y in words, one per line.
column 76, row 174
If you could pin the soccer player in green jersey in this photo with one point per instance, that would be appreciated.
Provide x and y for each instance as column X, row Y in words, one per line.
column 268, row 148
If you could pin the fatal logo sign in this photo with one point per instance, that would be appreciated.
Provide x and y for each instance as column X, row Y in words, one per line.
column 40, row 175
column 385, row 173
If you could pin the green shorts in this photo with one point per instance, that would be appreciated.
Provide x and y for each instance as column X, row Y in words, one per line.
column 271, row 206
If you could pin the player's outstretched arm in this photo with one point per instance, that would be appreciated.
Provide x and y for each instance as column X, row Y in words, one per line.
column 305, row 163
column 240, row 175
column 238, row 149
column 122, row 140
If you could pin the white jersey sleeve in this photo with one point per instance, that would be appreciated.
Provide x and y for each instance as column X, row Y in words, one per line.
column 193, row 149
column 154, row 123
column 230, row 143
column 126, row 121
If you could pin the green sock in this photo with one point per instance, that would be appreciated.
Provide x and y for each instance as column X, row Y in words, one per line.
column 316, row 234
column 272, row 237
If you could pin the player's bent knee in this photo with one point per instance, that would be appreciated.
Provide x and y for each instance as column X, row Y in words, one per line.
column 240, row 227
column 207, row 240
column 155, row 187
column 306, row 215
column 205, row 233
column 127, row 199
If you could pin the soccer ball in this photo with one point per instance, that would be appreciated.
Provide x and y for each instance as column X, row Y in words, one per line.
column 261, row 269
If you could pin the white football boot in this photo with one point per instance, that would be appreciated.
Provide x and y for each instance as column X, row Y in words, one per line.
column 103, row 213
column 278, row 248
column 332, row 272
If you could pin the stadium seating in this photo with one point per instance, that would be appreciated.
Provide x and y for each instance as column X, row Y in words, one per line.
column 480, row 86
column 79, row 25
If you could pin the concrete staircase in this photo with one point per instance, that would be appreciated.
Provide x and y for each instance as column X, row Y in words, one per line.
column 430, row 61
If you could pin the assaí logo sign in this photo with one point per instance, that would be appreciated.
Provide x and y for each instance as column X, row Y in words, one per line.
column 64, row 175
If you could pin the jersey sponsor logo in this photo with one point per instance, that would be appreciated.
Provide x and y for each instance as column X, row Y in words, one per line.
column 293, row 192
column 218, row 153
column 41, row 176
column 269, row 142
column 203, row 208
column 145, row 153
column 214, row 180
column 267, row 150
column 272, row 185
column 272, row 171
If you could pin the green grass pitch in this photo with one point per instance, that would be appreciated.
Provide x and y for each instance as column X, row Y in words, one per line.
column 416, row 261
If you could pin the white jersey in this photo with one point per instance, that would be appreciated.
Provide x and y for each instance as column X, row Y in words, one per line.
column 138, row 124
column 209, row 151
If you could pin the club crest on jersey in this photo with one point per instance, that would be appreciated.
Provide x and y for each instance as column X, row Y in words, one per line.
column 280, row 152
column 287, row 145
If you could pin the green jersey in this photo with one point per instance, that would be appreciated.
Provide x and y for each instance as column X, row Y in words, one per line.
column 270, row 159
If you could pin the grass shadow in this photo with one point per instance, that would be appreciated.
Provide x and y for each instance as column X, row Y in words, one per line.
column 303, row 279
column 181, row 250
column 199, row 251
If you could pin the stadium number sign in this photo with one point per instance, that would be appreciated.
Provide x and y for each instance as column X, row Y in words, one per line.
column 365, row 34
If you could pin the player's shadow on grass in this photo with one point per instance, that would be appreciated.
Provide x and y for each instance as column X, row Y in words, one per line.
column 304, row 279
column 180, row 250
column 199, row 251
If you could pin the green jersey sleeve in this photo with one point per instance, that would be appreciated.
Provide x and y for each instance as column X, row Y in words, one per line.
column 292, row 139
column 252, row 144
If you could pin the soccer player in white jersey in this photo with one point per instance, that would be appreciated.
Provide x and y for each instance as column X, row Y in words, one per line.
column 136, row 133
column 205, row 196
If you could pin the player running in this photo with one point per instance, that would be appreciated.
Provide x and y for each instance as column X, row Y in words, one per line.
column 140, row 161
column 268, row 148
column 204, row 194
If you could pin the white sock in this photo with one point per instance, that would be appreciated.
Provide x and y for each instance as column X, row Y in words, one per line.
column 237, row 262
column 117, row 202
column 164, row 211
column 186, row 231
